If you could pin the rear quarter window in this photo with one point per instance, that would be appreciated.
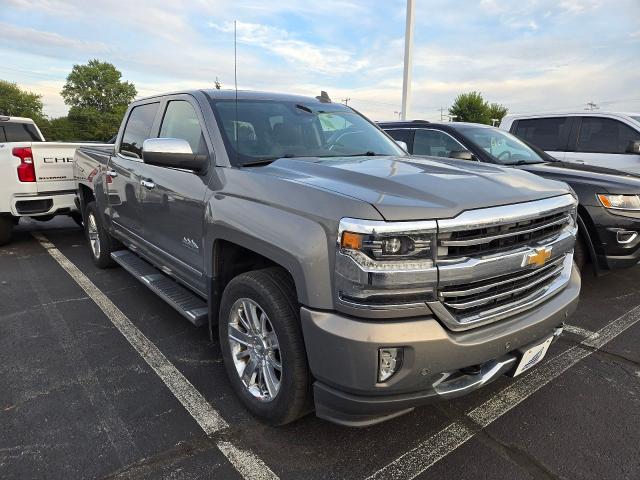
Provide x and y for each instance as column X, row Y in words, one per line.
column 19, row 132
column 545, row 133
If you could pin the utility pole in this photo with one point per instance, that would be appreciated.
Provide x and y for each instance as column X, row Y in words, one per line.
column 592, row 106
column 346, row 100
column 408, row 60
column 442, row 109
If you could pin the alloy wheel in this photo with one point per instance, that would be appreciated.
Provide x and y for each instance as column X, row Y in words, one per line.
column 255, row 349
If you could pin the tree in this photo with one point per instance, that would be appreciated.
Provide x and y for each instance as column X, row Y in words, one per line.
column 16, row 102
column 470, row 107
column 497, row 112
column 97, row 86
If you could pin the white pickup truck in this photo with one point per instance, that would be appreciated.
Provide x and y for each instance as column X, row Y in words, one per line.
column 36, row 177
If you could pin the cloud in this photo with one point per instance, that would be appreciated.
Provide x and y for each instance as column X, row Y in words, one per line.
column 46, row 42
column 317, row 58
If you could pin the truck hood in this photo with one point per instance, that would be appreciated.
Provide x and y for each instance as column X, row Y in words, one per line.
column 418, row 188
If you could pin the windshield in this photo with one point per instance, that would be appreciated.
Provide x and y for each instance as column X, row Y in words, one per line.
column 259, row 130
column 503, row 147
column 637, row 119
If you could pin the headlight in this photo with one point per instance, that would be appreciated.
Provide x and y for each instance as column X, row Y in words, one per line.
column 382, row 244
column 384, row 264
column 620, row 202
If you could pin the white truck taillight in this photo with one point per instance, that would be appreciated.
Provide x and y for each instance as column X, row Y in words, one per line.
column 26, row 170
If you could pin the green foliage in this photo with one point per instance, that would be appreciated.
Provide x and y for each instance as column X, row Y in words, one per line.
column 16, row 102
column 471, row 107
column 97, row 86
column 497, row 112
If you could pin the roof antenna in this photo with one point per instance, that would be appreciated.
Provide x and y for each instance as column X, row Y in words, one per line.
column 235, row 81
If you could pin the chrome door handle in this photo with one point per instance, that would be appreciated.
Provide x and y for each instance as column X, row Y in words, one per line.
column 147, row 184
column 112, row 174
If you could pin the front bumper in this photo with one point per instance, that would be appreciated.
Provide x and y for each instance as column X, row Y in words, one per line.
column 610, row 251
column 42, row 204
column 343, row 356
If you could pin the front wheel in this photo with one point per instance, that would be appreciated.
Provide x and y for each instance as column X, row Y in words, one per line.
column 6, row 228
column 580, row 254
column 262, row 345
column 100, row 242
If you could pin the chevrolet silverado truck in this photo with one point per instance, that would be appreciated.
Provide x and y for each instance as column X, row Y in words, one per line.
column 340, row 273
column 36, row 177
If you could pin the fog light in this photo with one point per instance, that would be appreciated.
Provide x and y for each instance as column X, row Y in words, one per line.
column 626, row 236
column 389, row 362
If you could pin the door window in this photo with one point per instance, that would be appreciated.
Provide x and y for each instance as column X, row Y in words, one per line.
column 435, row 143
column 181, row 121
column 545, row 133
column 404, row 135
column 604, row 135
column 138, row 129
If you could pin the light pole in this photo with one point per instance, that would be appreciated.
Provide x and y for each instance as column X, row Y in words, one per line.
column 408, row 60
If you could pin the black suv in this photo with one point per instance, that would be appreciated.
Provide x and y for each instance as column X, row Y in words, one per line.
column 609, row 210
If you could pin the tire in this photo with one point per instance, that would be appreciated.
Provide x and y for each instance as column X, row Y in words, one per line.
column 580, row 254
column 101, row 244
column 6, row 228
column 271, row 292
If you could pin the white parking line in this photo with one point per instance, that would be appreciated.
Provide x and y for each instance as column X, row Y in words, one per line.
column 579, row 331
column 247, row 464
column 431, row 450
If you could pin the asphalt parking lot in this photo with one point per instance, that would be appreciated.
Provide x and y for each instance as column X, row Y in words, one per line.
column 81, row 396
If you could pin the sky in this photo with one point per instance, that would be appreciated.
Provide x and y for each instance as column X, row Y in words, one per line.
column 529, row 55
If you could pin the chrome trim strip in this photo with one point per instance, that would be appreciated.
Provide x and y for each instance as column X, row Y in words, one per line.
column 370, row 227
column 512, row 233
column 468, row 383
column 486, row 217
column 470, row 269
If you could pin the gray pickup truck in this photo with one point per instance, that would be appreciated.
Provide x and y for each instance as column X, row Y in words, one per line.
column 340, row 273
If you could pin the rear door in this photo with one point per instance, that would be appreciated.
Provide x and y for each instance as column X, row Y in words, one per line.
column 550, row 134
column 124, row 170
column 173, row 200
column 604, row 142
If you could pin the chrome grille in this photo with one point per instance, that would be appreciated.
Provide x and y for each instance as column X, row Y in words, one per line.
column 484, row 255
column 472, row 298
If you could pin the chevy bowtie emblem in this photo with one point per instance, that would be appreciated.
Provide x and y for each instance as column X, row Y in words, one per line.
column 538, row 257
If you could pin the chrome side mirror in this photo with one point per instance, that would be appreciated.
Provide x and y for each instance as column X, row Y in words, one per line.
column 403, row 145
column 461, row 155
column 172, row 152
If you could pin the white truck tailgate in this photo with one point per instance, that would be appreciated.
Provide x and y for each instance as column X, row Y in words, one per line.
column 53, row 163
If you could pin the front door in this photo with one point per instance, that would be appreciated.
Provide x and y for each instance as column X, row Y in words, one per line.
column 173, row 200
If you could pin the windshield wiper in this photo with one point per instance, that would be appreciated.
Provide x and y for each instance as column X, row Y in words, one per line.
column 363, row 154
column 522, row 162
column 266, row 160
